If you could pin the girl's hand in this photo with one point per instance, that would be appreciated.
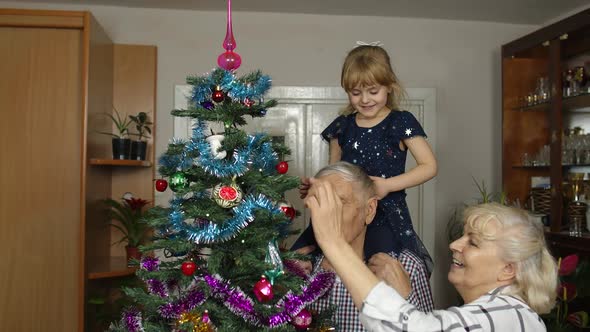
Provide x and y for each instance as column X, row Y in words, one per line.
column 392, row 272
column 381, row 186
column 304, row 187
column 326, row 212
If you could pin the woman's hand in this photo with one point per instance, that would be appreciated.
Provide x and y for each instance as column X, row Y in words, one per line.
column 381, row 186
column 304, row 187
column 392, row 272
column 326, row 212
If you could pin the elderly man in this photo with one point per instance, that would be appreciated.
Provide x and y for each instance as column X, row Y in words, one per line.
column 359, row 202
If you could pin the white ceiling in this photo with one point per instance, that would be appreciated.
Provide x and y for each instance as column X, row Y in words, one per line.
column 534, row 12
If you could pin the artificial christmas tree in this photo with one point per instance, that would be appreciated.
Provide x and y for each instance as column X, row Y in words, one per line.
column 223, row 270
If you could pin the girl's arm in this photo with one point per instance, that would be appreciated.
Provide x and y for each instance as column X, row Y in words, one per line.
column 425, row 169
column 335, row 151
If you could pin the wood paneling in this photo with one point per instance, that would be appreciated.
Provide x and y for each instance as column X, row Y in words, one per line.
column 99, row 104
column 54, row 100
column 41, row 18
column 95, row 240
column 134, row 91
column 522, row 131
column 40, row 173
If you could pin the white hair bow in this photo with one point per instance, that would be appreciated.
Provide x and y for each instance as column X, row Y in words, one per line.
column 362, row 43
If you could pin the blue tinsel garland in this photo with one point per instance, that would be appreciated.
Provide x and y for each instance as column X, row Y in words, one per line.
column 228, row 83
column 254, row 155
column 209, row 232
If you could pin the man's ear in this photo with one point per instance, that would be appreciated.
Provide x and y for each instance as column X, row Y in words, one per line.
column 371, row 210
column 508, row 272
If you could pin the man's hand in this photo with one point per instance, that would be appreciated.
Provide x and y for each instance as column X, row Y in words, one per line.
column 392, row 272
column 326, row 213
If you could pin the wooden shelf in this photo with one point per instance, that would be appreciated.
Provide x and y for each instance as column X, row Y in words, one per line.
column 109, row 267
column 563, row 243
column 120, row 162
column 531, row 167
column 544, row 106
column 571, row 104
column 548, row 166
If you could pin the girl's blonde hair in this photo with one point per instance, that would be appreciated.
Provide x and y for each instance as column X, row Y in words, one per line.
column 368, row 65
column 521, row 241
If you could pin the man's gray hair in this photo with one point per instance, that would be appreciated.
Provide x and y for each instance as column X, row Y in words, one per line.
column 351, row 173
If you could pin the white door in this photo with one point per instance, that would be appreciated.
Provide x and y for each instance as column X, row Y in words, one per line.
column 302, row 114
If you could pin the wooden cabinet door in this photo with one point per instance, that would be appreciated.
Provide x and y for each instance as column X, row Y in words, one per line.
column 40, row 170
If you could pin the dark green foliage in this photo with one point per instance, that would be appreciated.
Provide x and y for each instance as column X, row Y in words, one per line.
column 240, row 260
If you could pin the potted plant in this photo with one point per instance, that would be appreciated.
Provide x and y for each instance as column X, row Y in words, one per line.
column 454, row 229
column 121, row 143
column 126, row 216
column 573, row 296
column 142, row 125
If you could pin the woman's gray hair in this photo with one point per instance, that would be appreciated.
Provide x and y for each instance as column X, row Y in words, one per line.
column 351, row 173
column 521, row 241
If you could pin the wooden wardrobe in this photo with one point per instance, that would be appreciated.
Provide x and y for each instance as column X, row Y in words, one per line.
column 60, row 74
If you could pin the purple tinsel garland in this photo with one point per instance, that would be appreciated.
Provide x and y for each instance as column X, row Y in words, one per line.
column 292, row 267
column 132, row 320
column 173, row 310
column 157, row 287
column 150, row 264
column 240, row 304
column 234, row 299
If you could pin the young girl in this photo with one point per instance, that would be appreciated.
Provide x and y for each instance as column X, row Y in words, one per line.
column 375, row 135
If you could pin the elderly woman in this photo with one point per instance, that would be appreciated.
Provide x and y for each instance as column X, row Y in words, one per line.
column 501, row 268
column 355, row 189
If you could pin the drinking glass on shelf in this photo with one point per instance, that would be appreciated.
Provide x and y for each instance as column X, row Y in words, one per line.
column 567, row 157
column 575, row 227
column 525, row 159
column 545, row 155
column 530, row 99
column 568, row 78
column 542, row 89
column 581, row 77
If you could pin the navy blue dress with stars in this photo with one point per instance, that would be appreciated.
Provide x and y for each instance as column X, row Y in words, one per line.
column 377, row 150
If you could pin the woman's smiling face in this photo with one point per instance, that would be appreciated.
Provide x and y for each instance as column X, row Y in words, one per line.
column 477, row 266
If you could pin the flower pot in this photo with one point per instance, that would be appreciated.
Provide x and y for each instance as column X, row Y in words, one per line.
column 138, row 150
column 132, row 253
column 121, row 148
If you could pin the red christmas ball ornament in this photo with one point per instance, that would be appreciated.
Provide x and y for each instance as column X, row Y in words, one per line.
column 287, row 209
column 228, row 193
column 248, row 102
column 263, row 290
column 188, row 268
column 218, row 96
column 302, row 320
column 282, row 167
column 161, row 185
column 227, row 196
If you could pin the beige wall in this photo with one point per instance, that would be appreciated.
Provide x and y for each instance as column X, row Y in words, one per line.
column 460, row 59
